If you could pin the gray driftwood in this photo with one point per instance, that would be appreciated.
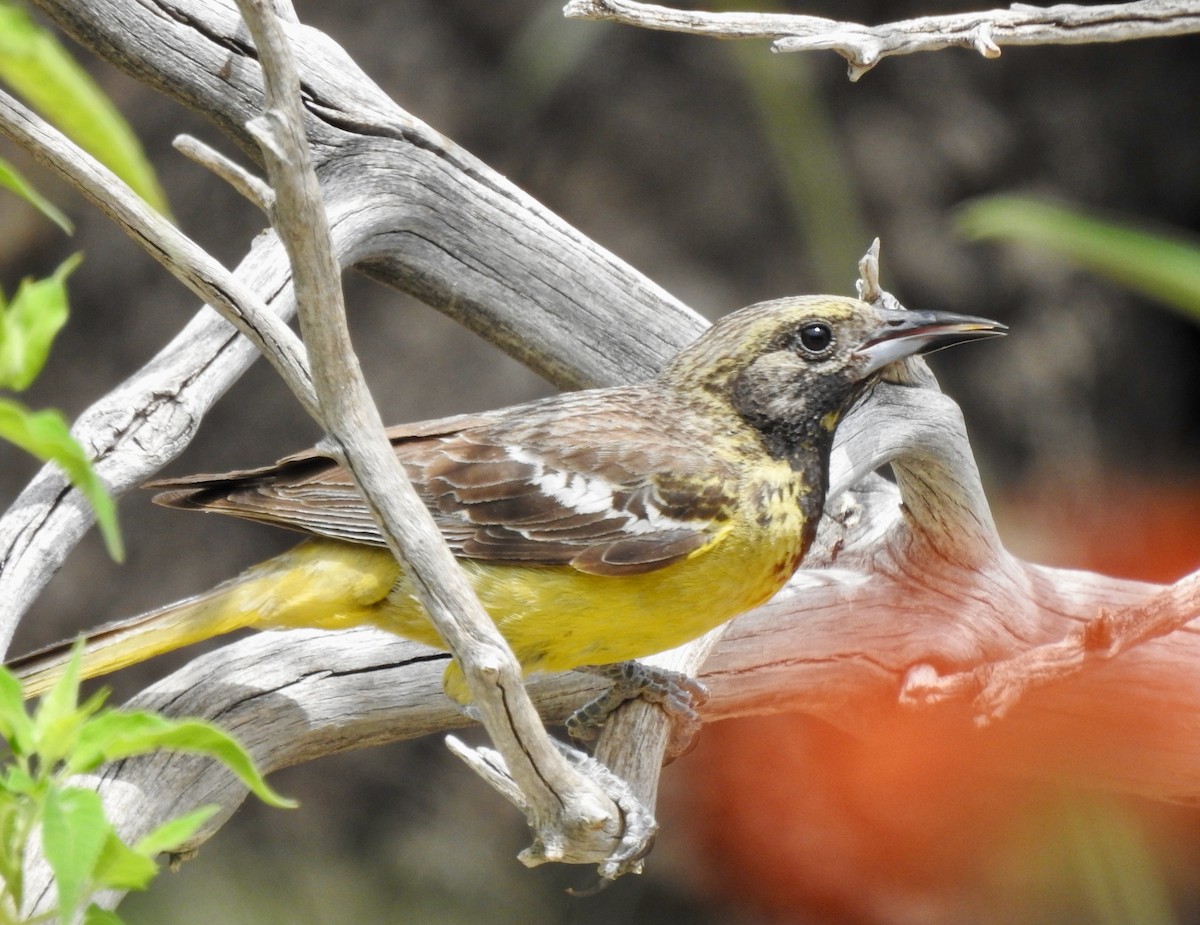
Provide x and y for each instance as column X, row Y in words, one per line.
column 909, row 581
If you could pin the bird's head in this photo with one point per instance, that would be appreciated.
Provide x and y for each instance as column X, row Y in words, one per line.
column 791, row 368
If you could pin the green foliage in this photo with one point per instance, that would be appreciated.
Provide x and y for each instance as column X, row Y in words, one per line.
column 46, row 435
column 1160, row 264
column 28, row 326
column 39, row 70
column 35, row 66
column 12, row 180
column 64, row 738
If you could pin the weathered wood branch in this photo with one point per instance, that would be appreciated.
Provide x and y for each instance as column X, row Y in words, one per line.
column 573, row 816
column 865, row 46
column 996, row 687
column 892, row 594
column 553, row 310
column 406, row 205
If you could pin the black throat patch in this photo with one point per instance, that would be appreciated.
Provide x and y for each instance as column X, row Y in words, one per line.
column 797, row 428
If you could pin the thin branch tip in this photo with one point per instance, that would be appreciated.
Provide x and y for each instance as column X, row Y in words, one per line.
column 984, row 43
column 868, row 287
column 865, row 46
column 924, row 686
column 252, row 188
column 1098, row 634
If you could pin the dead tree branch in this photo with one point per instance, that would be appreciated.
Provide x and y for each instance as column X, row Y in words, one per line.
column 865, row 46
column 572, row 816
column 907, row 581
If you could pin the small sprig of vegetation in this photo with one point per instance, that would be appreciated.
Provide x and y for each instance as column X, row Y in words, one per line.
column 41, row 801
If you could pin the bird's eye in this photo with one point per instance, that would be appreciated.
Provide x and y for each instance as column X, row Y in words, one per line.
column 815, row 337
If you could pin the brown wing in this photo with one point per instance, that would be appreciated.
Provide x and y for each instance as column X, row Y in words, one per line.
column 585, row 478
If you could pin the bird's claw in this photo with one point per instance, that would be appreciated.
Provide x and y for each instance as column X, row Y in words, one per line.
column 677, row 693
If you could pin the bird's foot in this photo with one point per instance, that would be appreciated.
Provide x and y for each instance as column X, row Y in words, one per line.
column 677, row 693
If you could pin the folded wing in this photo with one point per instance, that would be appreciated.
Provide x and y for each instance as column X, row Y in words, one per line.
column 576, row 480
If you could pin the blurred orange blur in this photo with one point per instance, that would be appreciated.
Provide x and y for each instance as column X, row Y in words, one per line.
column 922, row 821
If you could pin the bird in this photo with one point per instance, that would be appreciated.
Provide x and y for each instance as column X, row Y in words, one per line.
column 597, row 527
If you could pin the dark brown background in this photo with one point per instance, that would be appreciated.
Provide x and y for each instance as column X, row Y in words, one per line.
column 664, row 149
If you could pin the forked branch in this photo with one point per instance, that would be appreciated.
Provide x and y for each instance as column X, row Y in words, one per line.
column 903, row 575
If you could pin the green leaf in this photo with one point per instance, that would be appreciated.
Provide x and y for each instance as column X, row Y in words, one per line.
column 172, row 834
column 18, row 781
column 58, row 721
column 1162, row 265
column 120, row 867
column 94, row 915
column 29, row 324
column 74, row 832
column 121, row 734
column 15, row 725
column 117, row 734
column 40, row 71
column 47, row 436
column 11, row 178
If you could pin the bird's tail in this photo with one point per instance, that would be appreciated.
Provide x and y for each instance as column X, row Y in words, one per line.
column 321, row 584
column 125, row 642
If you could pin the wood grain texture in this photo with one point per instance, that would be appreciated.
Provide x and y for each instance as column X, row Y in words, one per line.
column 406, row 205
column 903, row 575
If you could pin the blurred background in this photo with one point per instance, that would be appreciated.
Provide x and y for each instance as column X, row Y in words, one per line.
column 728, row 175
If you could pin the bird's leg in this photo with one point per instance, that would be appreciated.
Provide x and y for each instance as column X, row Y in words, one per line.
column 677, row 693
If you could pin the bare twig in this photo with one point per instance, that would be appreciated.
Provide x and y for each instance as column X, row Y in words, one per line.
column 1117, row 631
column 251, row 187
column 865, row 46
column 186, row 260
column 572, row 816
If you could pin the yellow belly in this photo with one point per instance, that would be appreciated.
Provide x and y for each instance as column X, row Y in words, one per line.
column 555, row 618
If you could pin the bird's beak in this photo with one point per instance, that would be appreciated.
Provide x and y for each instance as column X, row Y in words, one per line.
column 908, row 333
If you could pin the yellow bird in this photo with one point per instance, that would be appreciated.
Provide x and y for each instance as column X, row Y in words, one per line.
column 596, row 527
